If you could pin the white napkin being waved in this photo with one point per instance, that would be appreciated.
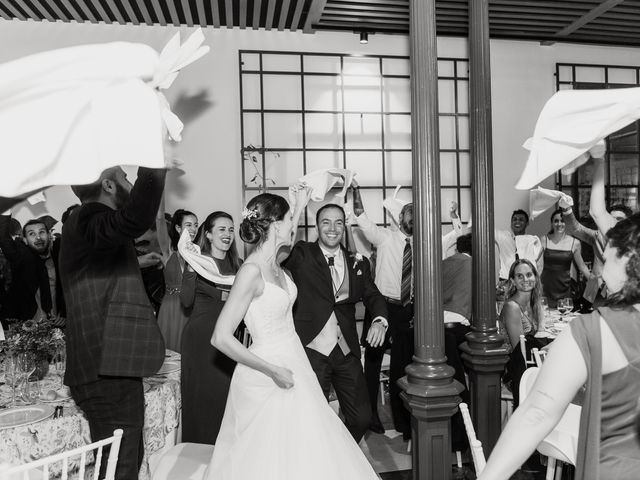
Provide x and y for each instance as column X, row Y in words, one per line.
column 66, row 115
column 204, row 265
column 571, row 124
column 319, row 182
column 541, row 199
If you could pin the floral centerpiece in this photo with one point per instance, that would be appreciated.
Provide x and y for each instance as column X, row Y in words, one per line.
column 39, row 337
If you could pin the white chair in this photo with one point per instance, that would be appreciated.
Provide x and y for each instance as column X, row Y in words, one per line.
column 477, row 453
column 384, row 375
column 40, row 468
column 523, row 349
column 539, row 356
column 561, row 445
column 185, row 461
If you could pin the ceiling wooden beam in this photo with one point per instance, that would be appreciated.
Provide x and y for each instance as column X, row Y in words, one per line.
column 215, row 12
column 173, row 13
column 133, row 18
column 242, row 20
column 284, row 11
column 73, row 11
column 26, row 9
column 4, row 14
column 271, row 7
column 59, row 15
column 186, row 9
column 228, row 4
column 158, row 11
column 586, row 18
column 86, row 11
column 257, row 10
column 202, row 16
column 116, row 12
column 102, row 13
column 296, row 15
column 144, row 10
column 315, row 12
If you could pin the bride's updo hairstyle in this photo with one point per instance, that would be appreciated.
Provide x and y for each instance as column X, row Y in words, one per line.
column 259, row 214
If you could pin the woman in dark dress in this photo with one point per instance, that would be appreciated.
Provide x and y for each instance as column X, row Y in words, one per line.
column 206, row 372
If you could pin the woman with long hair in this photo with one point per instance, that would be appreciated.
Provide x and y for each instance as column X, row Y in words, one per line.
column 206, row 372
column 600, row 351
column 172, row 316
column 561, row 252
column 278, row 424
column 522, row 314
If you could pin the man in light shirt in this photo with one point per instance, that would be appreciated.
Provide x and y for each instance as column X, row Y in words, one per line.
column 515, row 244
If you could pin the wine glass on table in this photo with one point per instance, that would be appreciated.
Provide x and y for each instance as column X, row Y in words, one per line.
column 562, row 307
column 11, row 376
column 60, row 364
column 26, row 367
column 568, row 303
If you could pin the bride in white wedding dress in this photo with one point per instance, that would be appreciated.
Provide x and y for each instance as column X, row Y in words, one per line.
column 277, row 423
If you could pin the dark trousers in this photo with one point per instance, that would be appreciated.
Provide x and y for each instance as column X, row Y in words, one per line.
column 110, row 403
column 344, row 372
column 401, row 331
column 454, row 336
column 373, row 357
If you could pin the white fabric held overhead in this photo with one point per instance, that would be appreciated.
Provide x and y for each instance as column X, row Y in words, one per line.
column 571, row 123
column 68, row 114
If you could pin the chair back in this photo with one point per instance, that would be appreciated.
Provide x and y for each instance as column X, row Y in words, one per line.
column 538, row 356
column 42, row 465
column 476, row 445
column 523, row 349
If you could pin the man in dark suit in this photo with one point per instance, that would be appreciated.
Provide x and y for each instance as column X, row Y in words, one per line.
column 112, row 336
column 330, row 282
column 33, row 286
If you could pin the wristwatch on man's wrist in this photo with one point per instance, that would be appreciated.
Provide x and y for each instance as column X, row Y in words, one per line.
column 382, row 321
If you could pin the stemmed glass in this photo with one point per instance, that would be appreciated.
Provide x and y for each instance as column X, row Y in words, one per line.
column 565, row 305
column 60, row 364
column 26, row 367
column 11, row 377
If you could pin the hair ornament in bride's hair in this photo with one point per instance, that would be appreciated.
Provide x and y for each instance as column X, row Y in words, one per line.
column 248, row 214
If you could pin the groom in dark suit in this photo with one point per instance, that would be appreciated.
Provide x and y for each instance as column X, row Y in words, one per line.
column 330, row 282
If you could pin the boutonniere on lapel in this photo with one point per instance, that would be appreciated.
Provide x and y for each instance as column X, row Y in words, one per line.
column 357, row 258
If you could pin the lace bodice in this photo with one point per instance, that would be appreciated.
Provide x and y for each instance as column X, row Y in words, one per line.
column 270, row 316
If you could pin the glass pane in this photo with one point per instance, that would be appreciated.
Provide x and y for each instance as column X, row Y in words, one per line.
column 463, row 96
column 447, row 132
column 464, row 163
column 323, row 130
column 624, row 196
column 446, row 68
column 584, row 195
column 396, row 66
column 250, row 61
column 397, row 131
column 405, row 194
column 463, row 69
column 368, row 166
column 585, row 174
column 250, row 91
column 622, row 75
column 322, row 93
column 565, row 74
column 280, row 63
column 448, row 169
column 625, row 139
column 283, row 130
column 283, row 168
column 565, row 87
column 361, row 66
column 253, row 172
column 372, row 201
column 447, row 195
column 252, row 129
column 590, row 74
column 623, row 169
column 465, row 205
column 363, row 130
column 396, row 95
column 362, row 94
column 318, row 160
column 321, row 64
column 463, row 133
column 398, row 168
column 446, row 96
column 282, row 92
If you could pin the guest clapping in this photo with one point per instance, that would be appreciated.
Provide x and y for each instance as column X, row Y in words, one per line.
column 206, row 372
column 602, row 350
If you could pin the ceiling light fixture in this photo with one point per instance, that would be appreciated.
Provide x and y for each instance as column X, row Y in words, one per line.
column 364, row 37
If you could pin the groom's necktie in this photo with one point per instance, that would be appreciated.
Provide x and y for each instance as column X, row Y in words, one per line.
column 407, row 265
column 335, row 275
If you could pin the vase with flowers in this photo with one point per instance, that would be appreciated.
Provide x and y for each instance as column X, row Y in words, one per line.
column 39, row 337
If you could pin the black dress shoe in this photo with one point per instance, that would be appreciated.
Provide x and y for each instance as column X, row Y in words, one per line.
column 376, row 426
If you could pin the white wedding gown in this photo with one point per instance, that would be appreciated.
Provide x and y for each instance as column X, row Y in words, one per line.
column 270, row 433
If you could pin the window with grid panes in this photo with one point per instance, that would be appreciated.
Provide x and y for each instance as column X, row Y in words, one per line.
column 305, row 111
column 623, row 147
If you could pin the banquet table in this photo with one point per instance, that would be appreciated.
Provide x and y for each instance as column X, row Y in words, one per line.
column 23, row 444
column 555, row 323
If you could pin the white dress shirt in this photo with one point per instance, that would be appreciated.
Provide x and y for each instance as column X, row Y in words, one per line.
column 527, row 246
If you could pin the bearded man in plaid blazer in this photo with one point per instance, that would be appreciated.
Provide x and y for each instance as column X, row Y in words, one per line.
column 112, row 336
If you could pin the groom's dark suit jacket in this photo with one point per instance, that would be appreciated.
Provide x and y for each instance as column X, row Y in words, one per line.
column 316, row 300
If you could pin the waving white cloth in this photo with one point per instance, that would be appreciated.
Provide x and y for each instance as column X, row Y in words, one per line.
column 573, row 122
column 541, row 199
column 204, row 265
column 321, row 181
column 394, row 205
column 68, row 114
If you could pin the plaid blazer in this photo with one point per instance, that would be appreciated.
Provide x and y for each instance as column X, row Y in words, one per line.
column 111, row 329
